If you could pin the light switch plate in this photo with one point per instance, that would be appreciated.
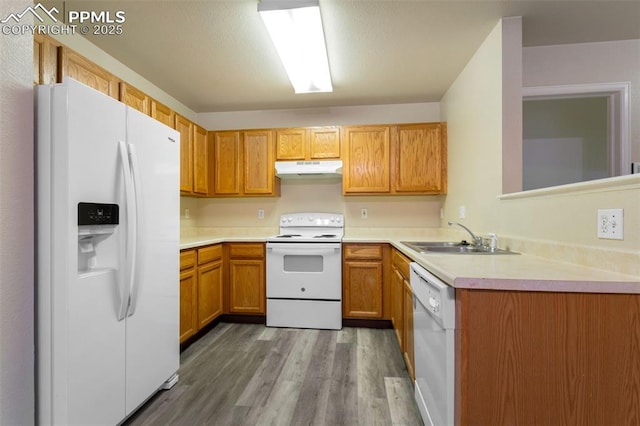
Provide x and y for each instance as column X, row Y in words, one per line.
column 611, row 224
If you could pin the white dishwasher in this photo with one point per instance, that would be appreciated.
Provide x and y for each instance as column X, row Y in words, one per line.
column 433, row 328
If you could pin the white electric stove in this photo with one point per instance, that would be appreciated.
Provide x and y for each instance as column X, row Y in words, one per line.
column 304, row 272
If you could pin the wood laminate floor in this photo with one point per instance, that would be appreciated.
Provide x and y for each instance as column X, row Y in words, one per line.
column 248, row 374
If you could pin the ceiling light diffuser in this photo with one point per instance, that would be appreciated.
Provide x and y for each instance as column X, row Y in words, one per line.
column 295, row 27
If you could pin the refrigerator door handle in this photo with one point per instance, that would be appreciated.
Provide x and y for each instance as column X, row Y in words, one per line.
column 137, row 185
column 125, row 276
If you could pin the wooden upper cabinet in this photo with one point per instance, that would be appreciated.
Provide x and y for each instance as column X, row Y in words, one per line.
column 135, row 98
column 419, row 154
column 366, row 158
column 45, row 60
column 324, row 143
column 313, row 143
column 291, row 144
column 200, row 161
column 185, row 128
column 259, row 173
column 163, row 113
column 83, row 70
column 226, row 162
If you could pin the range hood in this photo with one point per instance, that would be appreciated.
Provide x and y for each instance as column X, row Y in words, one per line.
column 309, row 169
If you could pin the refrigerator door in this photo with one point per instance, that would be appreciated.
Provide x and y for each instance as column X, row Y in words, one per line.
column 80, row 340
column 152, row 348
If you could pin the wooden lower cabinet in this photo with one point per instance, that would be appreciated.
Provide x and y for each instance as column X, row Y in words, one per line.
column 409, row 355
column 402, row 308
column 188, row 302
column 188, row 295
column 200, row 288
column 547, row 358
column 247, row 282
column 365, row 289
column 209, row 292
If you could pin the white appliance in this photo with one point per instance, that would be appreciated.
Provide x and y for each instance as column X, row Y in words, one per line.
column 309, row 169
column 304, row 272
column 107, row 256
column 433, row 333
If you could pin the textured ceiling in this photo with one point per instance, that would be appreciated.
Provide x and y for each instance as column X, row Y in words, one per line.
column 216, row 55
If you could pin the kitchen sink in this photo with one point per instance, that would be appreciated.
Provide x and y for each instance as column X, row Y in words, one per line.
column 451, row 247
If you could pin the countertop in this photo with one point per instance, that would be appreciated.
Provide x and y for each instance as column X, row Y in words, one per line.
column 520, row 272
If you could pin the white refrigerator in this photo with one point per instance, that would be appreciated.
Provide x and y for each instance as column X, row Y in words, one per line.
column 107, row 256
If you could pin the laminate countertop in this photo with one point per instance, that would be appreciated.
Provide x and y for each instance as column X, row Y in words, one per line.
column 521, row 272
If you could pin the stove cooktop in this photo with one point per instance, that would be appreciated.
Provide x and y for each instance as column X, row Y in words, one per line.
column 310, row 227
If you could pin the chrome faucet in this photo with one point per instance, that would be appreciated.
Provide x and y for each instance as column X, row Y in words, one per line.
column 476, row 240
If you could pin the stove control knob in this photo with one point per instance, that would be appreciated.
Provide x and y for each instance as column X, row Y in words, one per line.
column 310, row 218
column 333, row 219
column 289, row 219
column 338, row 220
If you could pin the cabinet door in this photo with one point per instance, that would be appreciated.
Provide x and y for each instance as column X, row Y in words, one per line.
column 397, row 306
column 247, row 286
column 209, row 292
column 366, row 158
column 81, row 69
column 163, row 113
column 418, row 154
column 258, row 162
column 135, row 98
column 200, row 161
column 324, row 143
column 409, row 357
column 291, row 144
column 185, row 128
column 362, row 289
column 226, row 154
column 188, row 298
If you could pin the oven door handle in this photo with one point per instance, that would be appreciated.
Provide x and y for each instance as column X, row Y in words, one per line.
column 304, row 251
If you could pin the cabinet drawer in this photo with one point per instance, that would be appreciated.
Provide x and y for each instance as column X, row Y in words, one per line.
column 246, row 250
column 187, row 259
column 401, row 262
column 363, row 251
column 209, row 254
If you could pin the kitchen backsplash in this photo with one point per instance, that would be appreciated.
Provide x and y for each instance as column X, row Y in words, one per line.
column 313, row 195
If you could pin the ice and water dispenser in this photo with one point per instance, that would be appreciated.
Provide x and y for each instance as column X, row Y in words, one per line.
column 97, row 223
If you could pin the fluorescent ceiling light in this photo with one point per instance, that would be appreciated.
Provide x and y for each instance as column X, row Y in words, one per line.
column 295, row 27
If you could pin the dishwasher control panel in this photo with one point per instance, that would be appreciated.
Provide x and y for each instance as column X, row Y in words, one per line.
column 437, row 297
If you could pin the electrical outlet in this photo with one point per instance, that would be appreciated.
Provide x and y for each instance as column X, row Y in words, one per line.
column 260, row 213
column 611, row 224
column 186, row 214
column 364, row 214
column 462, row 212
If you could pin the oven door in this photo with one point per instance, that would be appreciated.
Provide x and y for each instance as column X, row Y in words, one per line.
column 304, row 271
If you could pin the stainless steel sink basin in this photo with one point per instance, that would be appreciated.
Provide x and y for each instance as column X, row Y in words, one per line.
column 451, row 247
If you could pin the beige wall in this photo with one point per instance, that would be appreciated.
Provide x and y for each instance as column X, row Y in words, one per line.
column 314, row 196
column 473, row 109
column 16, row 225
column 302, row 117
